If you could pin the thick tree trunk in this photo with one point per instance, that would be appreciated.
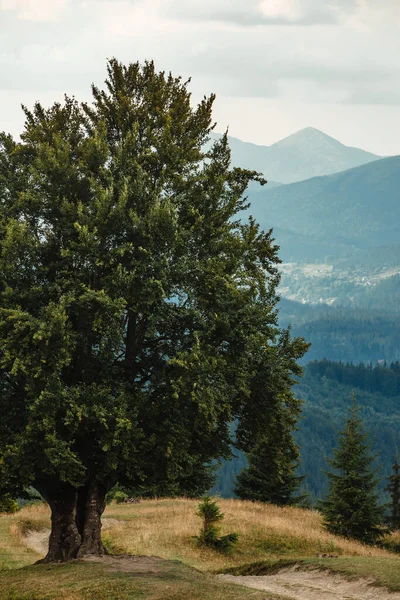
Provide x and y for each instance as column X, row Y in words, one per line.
column 90, row 506
column 64, row 540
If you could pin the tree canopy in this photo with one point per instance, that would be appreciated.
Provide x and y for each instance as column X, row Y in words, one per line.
column 136, row 307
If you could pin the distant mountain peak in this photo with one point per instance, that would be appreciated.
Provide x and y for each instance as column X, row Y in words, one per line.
column 304, row 154
column 306, row 137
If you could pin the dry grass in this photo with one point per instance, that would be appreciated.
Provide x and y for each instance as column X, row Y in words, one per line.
column 166, row 528
column 13, row 550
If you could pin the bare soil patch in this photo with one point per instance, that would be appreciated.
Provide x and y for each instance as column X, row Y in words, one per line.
column 298, row 583
column 137, row 565
column 38, row 541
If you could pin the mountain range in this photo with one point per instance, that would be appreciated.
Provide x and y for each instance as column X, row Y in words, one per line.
column 302, row 155
column 336, row 217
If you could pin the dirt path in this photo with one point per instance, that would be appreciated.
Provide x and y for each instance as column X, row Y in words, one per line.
column 38, row 541
column 313, row 584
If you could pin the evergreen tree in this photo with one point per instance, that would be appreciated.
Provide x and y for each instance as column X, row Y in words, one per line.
column 272, row 453
column 271, row 472
column 394, row 490
column 351, row 507
column 135, row 305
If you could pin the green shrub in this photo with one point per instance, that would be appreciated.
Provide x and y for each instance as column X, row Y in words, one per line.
column 116, row 493
column 30, row 497
column 8, row 505
column 210, row 513
column 120, row 497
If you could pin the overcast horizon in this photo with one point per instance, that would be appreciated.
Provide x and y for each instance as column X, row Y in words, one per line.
column 276, row 66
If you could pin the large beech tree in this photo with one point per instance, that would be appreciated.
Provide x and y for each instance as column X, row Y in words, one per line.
column 135, row 305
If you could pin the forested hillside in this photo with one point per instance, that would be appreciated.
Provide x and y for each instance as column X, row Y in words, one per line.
column 326, row 388
column 384, row 296
column 346, row 334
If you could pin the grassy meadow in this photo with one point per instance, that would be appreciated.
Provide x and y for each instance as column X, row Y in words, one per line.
column 167, row 528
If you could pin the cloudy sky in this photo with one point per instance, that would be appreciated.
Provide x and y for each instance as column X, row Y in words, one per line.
column 276, row 65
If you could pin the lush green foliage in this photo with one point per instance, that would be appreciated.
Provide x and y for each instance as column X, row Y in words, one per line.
column 273, row 455
column 227, row 473
column 210, row 514
column 382, row 379
column 120, row 497
column 351, row 508
column 326, row 388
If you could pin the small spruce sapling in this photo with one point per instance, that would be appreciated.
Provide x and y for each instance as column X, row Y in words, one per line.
column 210, row 513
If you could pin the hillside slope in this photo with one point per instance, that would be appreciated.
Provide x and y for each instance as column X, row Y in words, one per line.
column 154, row 551
column 327, row 388
column 360, row 206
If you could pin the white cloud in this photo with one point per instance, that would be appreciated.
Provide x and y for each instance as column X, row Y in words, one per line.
column 250, row 13
column 376, row 15
column 35, row 10
column 292, row 10
column 124, row 19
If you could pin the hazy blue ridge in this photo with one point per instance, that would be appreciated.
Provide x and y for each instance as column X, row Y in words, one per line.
column 358, row 207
